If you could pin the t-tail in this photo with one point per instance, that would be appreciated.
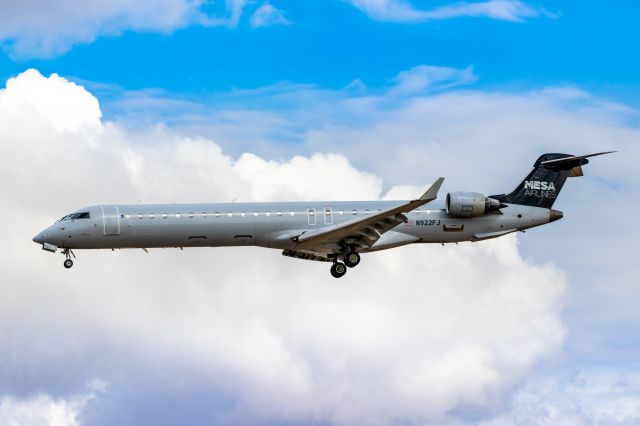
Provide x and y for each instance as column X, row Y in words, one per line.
column 541, row 187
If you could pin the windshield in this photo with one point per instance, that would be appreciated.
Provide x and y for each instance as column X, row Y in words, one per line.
column 83, row 215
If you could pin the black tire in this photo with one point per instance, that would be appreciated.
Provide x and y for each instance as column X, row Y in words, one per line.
column 351, row 259
column 338, row 269
column 68, row 263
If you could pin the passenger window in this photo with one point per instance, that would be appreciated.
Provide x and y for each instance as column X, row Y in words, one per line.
column 151, row 216
column 242, row 214
column 279, row 212
column 164, row 215
column 204, row 214
column 128, row 216
column 177, row 215
column 255, row 214
column 268, row 214
column 292, row 213
column 229, row 214
column 190, row 215
column 340, row 212
column 140, row 216
column 355, row 211
column 217, row 214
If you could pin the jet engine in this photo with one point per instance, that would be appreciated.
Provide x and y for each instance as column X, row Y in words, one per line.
column 470, row 204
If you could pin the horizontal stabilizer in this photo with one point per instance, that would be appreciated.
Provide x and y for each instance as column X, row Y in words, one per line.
column 570, row 162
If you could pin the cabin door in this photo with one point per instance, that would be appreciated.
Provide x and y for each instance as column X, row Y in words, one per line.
column 111, row 220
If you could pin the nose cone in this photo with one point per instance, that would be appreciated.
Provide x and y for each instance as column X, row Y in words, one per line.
column 555, row 215
column 39, row 239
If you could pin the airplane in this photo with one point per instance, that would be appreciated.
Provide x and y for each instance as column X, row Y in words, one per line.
column 337, row 232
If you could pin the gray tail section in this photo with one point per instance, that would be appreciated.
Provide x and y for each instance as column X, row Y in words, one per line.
column 543, row 184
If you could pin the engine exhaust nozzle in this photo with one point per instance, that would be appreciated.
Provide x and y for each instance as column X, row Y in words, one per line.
column 555, row 215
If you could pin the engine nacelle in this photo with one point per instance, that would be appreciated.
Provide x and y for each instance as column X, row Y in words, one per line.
column 470, row 204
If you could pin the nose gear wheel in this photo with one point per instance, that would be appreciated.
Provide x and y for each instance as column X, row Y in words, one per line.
column 68, row 263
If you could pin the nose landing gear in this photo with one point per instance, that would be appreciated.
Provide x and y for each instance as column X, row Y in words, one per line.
column 68, row 263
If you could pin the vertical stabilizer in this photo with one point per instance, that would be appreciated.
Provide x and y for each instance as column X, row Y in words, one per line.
column 542, row 185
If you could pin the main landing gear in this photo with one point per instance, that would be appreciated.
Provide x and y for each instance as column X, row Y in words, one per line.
column 68, row 263
column 338, row 269
column 351, row 259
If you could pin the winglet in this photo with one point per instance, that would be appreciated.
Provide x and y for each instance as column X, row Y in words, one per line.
column 432, row 192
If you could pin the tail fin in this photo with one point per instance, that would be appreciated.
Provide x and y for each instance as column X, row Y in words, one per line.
column 541, row 187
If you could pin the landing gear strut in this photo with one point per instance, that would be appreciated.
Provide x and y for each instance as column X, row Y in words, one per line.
column 68, row 263
column 338, row 269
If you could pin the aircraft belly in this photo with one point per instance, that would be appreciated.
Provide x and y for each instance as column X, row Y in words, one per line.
column 393, row 239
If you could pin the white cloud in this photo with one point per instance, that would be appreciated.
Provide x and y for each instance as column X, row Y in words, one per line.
column 410, row 335
column 587, row 397
column 23, row 97
column 423, row 78
column 36, row 28
column 481, row 140
column 267, row 15
column 45, row 410
column 38, row 410
column 402, row 10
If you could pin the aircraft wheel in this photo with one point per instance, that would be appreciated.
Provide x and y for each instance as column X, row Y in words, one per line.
column 351, row 259
column 68, row 263
column 338, row 269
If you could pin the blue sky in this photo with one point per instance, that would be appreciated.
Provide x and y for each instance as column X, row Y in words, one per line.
column 187, row 100
column 331, row 43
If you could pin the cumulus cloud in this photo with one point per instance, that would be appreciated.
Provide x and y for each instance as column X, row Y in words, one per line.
column 267, row 15
column 592, row 396
column 45, row 410
column 402, row 10
column 481, row 140
column 243, row 335
column 38, row 410
column 35, row 28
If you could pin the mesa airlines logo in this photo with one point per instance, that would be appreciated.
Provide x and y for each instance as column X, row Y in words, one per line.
column 536, row 184
column 537, row 188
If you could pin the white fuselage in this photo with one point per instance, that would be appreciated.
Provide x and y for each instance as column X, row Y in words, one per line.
column 271, row 224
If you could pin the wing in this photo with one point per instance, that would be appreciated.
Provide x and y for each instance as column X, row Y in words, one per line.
column 363, row 232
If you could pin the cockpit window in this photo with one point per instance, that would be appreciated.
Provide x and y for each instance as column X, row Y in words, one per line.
column 83, row 215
